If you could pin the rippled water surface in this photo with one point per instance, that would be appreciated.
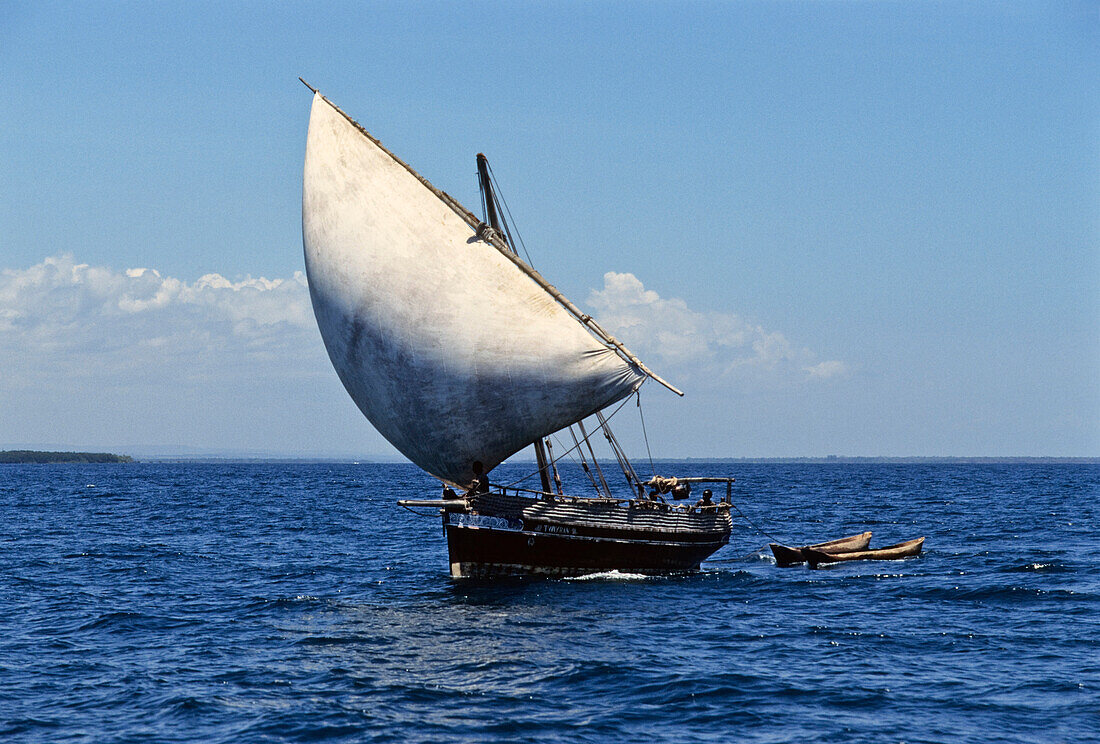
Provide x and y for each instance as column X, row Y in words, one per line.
column 248, row 603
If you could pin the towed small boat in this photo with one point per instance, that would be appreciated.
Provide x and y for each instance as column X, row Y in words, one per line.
column 890, row 553
column 787, row 556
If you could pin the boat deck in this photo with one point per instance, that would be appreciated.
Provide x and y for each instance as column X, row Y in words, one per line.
column 603, row 513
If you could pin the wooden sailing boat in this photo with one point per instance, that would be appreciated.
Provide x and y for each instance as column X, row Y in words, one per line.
column 461, row 354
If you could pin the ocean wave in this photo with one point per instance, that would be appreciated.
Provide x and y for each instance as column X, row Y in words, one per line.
column 1048, row 568
column 227, row 609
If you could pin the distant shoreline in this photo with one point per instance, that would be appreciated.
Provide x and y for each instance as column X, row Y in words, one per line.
column 723, row 460
column 36, row 457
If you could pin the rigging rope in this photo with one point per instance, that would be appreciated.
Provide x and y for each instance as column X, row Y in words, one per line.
column 433, row 515
column 484, row 203
column 754, row 525
column 504, row 203
column 592, row 452
column 645, row 434
column 554, row 466
column 620, row 455
column 584, row 463
column 615, row 451
column 537, row 471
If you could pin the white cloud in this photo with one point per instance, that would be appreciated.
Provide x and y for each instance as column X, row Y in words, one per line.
column 65, row 318
column 699, row 344
column 95, row 357
column 828, row 369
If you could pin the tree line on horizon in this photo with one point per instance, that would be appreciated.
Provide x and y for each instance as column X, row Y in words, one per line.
column 33, row 456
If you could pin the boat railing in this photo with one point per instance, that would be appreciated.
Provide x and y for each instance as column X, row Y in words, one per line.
column 653, row 501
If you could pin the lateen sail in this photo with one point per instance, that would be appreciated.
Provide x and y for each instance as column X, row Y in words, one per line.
column 450, row 350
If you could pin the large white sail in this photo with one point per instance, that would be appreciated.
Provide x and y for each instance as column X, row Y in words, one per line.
column 451, row 350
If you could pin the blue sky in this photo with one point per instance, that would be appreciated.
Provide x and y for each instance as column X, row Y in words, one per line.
column 852, row 228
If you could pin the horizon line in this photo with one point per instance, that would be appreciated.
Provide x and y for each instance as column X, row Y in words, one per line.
column 262, row 457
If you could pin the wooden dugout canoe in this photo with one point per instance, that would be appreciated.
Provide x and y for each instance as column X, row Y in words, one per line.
column 787, row 556
column 890, row 553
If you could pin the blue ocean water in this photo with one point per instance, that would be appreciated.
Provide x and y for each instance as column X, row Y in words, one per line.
column 256, row 602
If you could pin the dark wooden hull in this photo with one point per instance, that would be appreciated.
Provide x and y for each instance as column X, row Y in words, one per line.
column 506, row 536
column 787, row 556
column 890, row 553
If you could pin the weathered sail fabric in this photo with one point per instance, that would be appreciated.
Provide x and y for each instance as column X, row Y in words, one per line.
column 448, row 348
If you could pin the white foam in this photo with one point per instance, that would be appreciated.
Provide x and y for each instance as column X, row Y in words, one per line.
column 612, row 575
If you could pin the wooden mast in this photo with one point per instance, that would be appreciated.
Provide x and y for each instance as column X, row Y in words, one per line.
column 494, row 222
column 487, row 194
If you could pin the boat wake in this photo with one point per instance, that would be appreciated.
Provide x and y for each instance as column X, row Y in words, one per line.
column 612, row 575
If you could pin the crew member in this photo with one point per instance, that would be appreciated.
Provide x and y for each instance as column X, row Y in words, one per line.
column 480, row 483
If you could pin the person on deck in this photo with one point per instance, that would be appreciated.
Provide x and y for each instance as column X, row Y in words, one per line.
column 480, row 483
column 707, row 499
